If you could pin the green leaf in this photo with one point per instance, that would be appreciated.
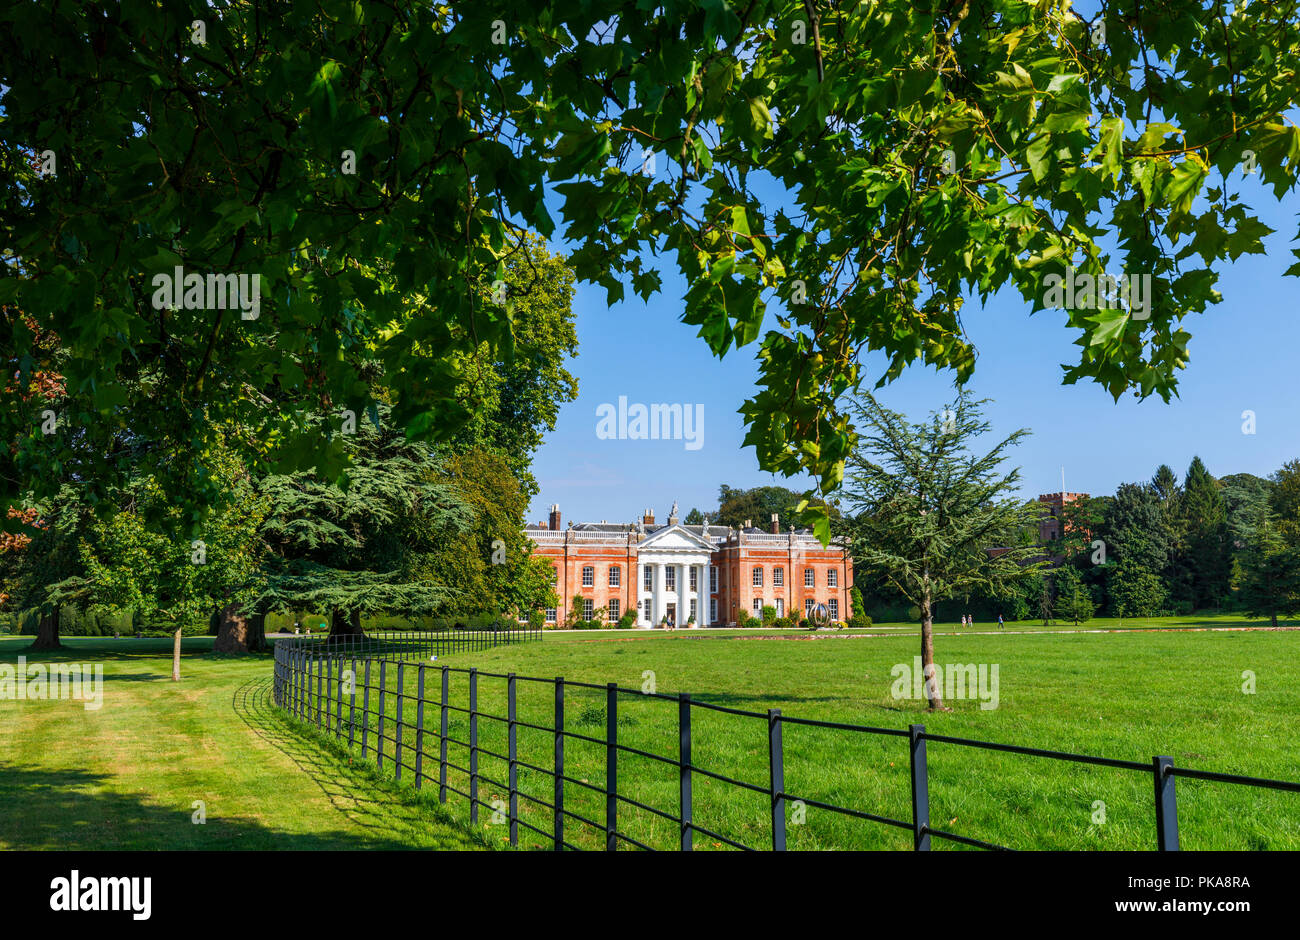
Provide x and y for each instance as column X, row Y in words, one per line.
column 1110, row 326
column 1110, row 146
column 1184, row 183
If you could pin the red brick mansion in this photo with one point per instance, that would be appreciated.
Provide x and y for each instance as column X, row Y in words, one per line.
column 706, row 572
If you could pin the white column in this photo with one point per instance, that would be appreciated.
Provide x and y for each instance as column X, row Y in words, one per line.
column 701, row 596
column 657, row 605
column 683, row 591
column 640, row 592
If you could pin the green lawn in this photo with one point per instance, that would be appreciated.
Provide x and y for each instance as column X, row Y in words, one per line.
column 1127, row 695
column 1195, row 622
column 126, row 776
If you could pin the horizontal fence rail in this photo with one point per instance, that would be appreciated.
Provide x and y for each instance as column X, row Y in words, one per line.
column 411, row 644
column 355, row 689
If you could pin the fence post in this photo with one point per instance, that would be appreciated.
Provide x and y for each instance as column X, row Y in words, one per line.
column 419, row 724
column 379, row 730
column 684, row 769
column 558, row 822
column 442, row 746
column 338, row 709
column 920, row 789
column 776, row 774
column 329, row 688
column 320, row 693
column 352, row 704
column 473, row 746
column 513, row 779
column 611, row 766
column 397, row 725
column 365, row 710
column 1166, row 805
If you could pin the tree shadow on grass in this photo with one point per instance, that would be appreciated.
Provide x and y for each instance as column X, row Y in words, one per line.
column 107, row 649
column 342, row 782
column 70, row 809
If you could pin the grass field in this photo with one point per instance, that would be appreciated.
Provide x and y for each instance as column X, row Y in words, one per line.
column 126, row 775
column 1128, row 695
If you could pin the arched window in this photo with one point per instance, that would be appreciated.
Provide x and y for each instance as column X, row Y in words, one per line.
column 615, row 576
column 758, row 577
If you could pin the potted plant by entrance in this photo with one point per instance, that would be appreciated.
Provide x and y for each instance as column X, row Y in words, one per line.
column 690, row 621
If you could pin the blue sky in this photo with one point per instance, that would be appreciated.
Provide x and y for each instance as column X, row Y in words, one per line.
column 1245, row 355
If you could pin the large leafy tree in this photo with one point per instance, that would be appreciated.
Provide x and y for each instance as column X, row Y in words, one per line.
column 1284, row 500
column 932, row 517
column 757, row 504
column 1135, row 591
column 516, row 399
column 42, row 573
column 374, row 162
column 145, row 559
column 490, row 561
column 1270, row 583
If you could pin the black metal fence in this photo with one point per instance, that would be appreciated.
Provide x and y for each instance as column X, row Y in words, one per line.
column 319, row 683
column 407, row 644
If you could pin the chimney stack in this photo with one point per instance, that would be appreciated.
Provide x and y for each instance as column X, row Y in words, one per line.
column 554, row 521
column 648, row 518
column 749, row 524
column 776, row 525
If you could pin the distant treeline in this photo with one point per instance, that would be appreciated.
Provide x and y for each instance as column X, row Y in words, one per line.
column 1158, row 548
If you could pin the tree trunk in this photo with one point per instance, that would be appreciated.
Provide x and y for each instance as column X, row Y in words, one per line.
column 1275, row 618
column 176, row 656
column 240, row 631
column 345, row 623
column 47, row 632
column 932, row 690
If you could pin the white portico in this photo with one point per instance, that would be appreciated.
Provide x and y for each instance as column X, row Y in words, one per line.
column 673, row 568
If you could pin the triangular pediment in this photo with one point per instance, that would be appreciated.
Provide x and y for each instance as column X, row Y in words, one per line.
column 674, row 538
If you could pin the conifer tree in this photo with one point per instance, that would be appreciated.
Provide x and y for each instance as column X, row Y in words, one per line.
column 1271, row 572
column 1073, row 603
column 352, row 547
column 932, row 518
column 1205, row 523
